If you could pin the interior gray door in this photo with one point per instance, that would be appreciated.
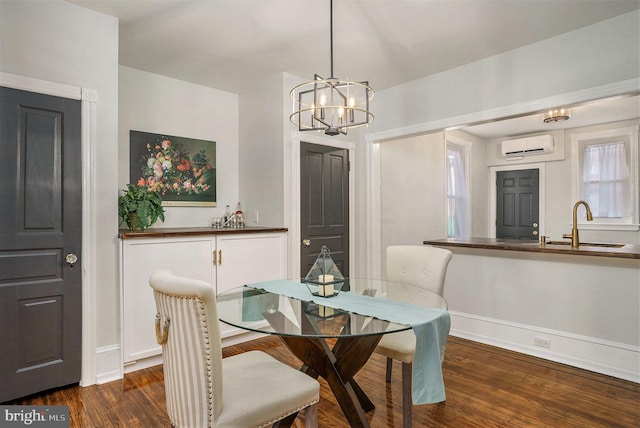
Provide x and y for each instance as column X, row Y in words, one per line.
column 517, row 199
column 324, row 205
column 40, row 228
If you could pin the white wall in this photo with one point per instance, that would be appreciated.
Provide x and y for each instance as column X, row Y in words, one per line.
column 412, row 190
column 602, row 53
column 586, row 307
column 63, row 43
column 558, row 203
column 68, row 44
column 161, row 105
column 537, row 75
column 261, row 152
column 497, row 297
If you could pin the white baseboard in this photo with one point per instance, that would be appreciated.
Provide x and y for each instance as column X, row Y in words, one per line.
column 601, row 356
column 143, row 363
column 108, row 364
column 239, row 337
column 154, row 360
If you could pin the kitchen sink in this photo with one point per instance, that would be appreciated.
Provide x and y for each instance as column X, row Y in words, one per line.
column 587, row 244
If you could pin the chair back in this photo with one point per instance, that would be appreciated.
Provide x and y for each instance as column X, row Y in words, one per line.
column 187, row 326
column 420, row 265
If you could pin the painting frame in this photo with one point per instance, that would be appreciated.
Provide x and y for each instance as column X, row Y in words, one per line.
column 181, row 169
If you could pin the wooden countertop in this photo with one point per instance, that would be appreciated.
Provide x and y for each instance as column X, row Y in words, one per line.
column 626, row 251
column 174, row 232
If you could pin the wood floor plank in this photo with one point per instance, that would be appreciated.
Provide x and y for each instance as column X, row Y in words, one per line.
column 486, row 387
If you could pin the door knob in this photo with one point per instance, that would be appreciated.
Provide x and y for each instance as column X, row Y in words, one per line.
column 306, row 242
column 71, row 259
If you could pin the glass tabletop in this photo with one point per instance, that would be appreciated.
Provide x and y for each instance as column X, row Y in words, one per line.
column 251, row 308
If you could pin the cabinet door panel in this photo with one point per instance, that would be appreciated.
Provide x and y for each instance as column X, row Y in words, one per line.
column 245, row 259
column 250, row 258
column 140, row 258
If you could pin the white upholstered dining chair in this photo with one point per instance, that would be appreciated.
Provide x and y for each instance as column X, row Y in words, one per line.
column 424, row 267
column 251, row 389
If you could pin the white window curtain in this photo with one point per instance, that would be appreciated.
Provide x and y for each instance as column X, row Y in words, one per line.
column 606, row 180
column 457, row 194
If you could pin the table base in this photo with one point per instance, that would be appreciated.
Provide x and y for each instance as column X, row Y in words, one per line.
column 337, row 366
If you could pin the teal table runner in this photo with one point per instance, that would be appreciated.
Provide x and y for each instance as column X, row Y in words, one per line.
column 430, row 325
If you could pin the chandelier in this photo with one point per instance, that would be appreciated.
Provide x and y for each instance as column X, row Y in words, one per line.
column 556, row 115
column 331, row 105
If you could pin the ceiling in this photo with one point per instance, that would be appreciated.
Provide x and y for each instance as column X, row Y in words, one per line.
column 600, row 111
column 231, row 44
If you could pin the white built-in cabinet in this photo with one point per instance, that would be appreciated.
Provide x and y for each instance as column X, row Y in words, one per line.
column 224, row 260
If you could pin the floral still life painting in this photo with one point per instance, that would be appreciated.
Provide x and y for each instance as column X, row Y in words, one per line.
column 182, row 170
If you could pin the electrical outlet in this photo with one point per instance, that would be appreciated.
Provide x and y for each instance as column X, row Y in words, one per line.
column 542, row 342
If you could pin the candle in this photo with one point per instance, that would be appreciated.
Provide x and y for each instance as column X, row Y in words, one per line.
column 325, row 278
column 325, row 290
column 325, row 311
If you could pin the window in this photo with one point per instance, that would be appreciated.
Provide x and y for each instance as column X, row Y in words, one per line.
column 458, row 212
column 606, row 177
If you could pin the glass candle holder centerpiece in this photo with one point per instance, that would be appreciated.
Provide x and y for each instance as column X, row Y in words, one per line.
column 324, row 279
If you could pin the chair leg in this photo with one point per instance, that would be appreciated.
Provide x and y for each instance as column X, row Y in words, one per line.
column 407, row 401
column 389, row 367
column 311, row 416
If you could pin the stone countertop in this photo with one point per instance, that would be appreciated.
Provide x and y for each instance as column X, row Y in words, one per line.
column 625, row 251
column 172, row 232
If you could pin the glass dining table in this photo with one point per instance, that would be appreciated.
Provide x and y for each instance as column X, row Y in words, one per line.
column 333, row 341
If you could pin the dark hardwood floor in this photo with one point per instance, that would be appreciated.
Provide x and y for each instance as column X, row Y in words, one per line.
column 485, row 386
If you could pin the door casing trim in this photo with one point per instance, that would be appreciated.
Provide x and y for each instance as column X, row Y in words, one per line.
column 293, row 245
column 493, row 193
column 88, row 99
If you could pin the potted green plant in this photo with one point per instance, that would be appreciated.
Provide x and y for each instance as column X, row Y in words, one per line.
column 140, row 207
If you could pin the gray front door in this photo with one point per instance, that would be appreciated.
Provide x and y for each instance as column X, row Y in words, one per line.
column 324, row 205
column 40, row 224
column 517, row 198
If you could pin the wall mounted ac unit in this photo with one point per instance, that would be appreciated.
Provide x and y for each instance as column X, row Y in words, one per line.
column 527, row 146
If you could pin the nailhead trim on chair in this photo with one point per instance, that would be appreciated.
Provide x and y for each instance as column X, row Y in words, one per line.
column 187, row 354
column 207, row 347
column 190, row 304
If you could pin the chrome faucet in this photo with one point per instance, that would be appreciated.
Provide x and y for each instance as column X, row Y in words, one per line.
column 575, row 239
